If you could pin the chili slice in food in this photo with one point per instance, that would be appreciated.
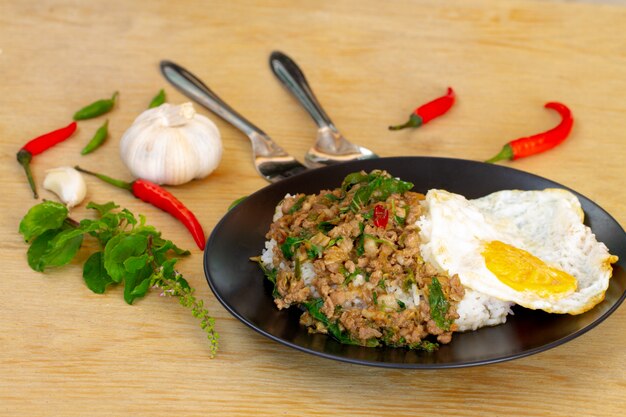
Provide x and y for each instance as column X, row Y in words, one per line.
column 426, row 112
column 381, row 216
column 541, row 142
column 37, row 146
column 160, row 198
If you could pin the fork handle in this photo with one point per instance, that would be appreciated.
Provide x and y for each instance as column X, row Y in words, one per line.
column 194, row 88
column 292, row 77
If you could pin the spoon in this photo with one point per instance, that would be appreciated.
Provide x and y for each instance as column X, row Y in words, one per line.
column 270, row 160
column 331, row 146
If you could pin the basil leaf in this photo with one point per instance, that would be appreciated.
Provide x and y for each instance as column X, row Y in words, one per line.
column 236, row 203
column 315, row 251
column 133, row 264
column 95, row 275
column 438, row 305
column 333, row 328
column 332, row 197
column 102, row 208
column 125, row 214
column 62, row 249
column 425, row 345
column 38, row 248
column 372, row 188
column 134, row 281
column 297, row 205
column 327, row 226
column 118, row 249
column 41, row 218
column 352, row 179
column 141, row 289
column 290, row 245
column 270, row 274
column 183, row 282
column 162, row 246
column 168, row 268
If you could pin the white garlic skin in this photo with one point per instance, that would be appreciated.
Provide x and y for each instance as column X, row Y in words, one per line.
column 171, row 144
column 67, row 183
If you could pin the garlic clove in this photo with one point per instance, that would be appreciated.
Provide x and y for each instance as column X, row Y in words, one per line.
column 67, row 183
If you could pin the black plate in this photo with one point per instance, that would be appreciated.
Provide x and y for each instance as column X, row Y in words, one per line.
column 240, row 286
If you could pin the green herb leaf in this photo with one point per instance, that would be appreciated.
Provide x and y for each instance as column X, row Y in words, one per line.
column 61, row 249
column 297, row 205
column 332, row 197
column 42, row 217
column 270, row 274
column 120, row 248
column 351, row 276
column 95, row 274
column 438, row 305
column 327, row 226
column 133, row 264
column 290, row 246
column 352, row 179
column 141, row 289
column 236, row 202
column 134, row 280
column 102, row 208
column 360, row 241
column 38, row 248
column 333, row 241
column 333, row 328
column 373, row 187
column 134, row 253
column 424, row 345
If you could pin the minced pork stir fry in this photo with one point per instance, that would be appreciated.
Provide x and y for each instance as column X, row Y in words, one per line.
column 350, row 258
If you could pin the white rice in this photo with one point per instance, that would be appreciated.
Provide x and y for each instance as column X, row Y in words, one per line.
column 478, row 310
column 267, row 256
column 278, row 211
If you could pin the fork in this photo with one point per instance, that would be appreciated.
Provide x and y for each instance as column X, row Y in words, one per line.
column 270, row 160
column 331, row 146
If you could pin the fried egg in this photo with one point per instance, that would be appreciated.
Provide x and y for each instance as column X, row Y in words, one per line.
column 526, row 247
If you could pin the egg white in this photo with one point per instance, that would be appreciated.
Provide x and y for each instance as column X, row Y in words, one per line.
column 548, row 224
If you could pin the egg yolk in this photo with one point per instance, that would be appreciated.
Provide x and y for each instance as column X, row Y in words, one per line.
column 522, row 271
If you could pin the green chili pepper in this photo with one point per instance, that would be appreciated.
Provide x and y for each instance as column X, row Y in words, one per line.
column 158, row 99
column 96, row 108
column 97, row 140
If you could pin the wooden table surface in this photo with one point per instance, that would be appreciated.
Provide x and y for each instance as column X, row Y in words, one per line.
column 65, row 351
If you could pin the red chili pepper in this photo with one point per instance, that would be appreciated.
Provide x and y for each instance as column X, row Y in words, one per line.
column 541, row 142
column 160, row 198
column 381, row 216
column 40, row 144
column 429, row 111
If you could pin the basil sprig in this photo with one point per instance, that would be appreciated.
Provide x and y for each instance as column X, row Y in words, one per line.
column 129, row 253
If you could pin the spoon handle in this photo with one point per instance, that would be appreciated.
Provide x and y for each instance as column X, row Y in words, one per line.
column 292, row 77
column 194, row 88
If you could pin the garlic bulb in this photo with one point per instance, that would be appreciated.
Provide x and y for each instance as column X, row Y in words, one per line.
column 67, row 183
column 171, row 144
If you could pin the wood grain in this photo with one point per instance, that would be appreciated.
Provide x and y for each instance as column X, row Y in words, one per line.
column 67, row 352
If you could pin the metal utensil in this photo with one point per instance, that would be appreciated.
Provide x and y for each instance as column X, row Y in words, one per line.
column 270, row 160
column 331, row 146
